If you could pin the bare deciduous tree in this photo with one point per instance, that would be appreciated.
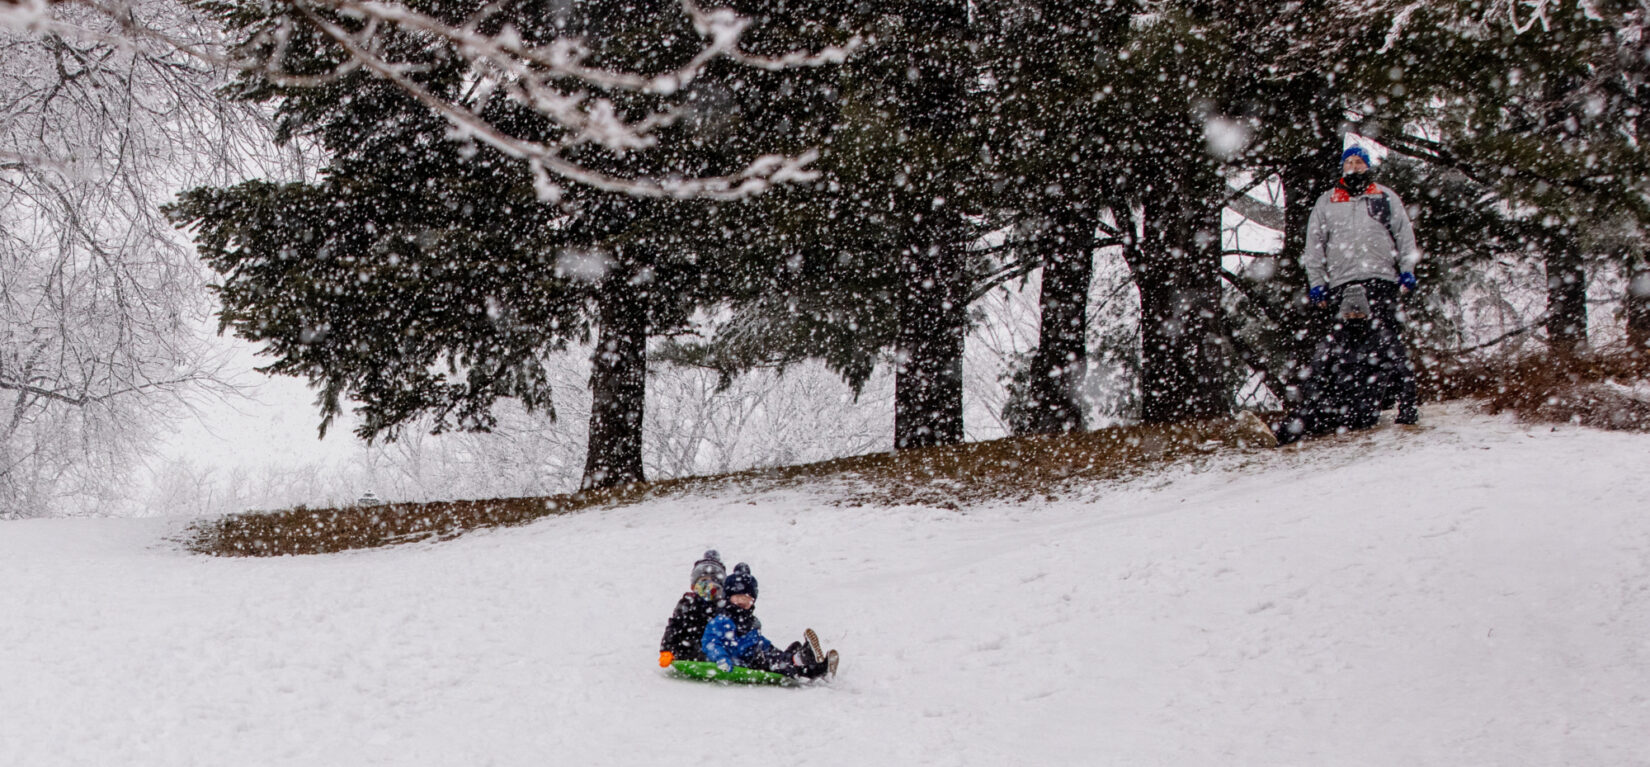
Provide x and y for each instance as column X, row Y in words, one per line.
column 101, row 304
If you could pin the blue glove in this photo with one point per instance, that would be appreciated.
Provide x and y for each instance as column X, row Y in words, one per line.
column 1406, row 281
column 1315, row 295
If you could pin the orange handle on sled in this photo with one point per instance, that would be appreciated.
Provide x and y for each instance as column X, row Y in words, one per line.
column 666, row 658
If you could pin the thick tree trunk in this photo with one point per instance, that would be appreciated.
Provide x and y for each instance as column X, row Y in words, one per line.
column 618, row 384
column 934, row 100
column 1185, row 365
column 932, row 326
column 1566, row 300
column 1638, row 304
column 1304, row 179
column 1061, row 359
column 1316, row 108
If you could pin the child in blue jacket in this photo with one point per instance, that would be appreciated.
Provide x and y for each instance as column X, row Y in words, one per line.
column 734, row 636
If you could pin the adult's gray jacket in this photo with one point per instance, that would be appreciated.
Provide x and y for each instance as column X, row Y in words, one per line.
column 1358, row 237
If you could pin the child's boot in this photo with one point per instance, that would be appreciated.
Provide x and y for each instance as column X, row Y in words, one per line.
column 816, row 653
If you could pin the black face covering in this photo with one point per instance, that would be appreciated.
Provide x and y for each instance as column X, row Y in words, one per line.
column 1356, row 183
column 744, row 620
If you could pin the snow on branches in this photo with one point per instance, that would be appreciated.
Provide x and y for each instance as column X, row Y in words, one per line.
column 554, row 79
column 100, row 300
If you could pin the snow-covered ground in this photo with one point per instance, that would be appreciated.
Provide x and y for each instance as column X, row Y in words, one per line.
column 1477, row 593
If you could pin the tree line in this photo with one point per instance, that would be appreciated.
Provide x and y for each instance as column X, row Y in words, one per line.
column 424, row 274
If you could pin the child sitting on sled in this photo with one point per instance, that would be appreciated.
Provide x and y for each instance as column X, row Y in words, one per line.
column 734, row 636
column 701, row 603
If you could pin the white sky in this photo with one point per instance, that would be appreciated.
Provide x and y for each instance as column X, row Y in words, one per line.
column 274, row 425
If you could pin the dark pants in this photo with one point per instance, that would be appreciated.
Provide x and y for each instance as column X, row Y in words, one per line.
column 1359, row 366
column 784, row 662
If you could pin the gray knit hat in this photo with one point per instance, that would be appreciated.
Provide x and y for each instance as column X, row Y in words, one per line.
column 709, row 566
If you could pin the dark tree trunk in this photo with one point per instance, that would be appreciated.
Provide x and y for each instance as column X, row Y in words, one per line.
column 1638, row 270
column 1638, row 304
column 1317, row 110
column 618, row 384
column 1176, row 267
column 932, row 326
column 1566, row 299
column 1304, row 179
column 1057, row 368
column 933, row 98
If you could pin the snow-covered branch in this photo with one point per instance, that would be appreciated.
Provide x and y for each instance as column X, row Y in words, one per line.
column 84, row 397
column 554, row 79
column 101, row 302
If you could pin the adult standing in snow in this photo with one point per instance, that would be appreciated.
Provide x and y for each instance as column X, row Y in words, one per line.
column 1360, row 256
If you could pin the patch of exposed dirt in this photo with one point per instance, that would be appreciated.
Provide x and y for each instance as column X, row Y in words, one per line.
column 1608, row 389
column 954, row 476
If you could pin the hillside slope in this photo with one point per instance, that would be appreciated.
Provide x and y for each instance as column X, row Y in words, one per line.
column 1474, row 593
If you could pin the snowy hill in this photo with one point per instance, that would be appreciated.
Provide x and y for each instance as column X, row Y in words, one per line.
column 1477, row 593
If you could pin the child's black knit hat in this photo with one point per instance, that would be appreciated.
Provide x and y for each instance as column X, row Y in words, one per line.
column 740, row 581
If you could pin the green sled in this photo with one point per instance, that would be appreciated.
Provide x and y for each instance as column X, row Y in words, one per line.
column 708, row 672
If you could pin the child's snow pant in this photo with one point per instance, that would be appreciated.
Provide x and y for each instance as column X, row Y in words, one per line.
column 1359, row 364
